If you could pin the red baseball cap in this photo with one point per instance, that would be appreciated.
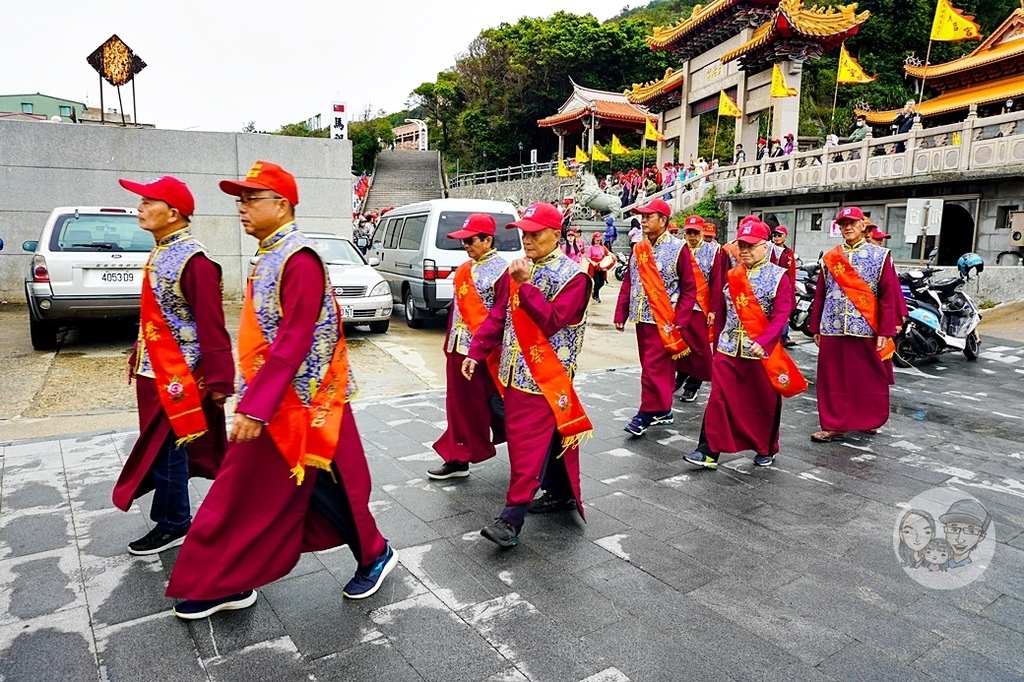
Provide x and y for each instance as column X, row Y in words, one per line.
column 537, row 217
column 171, row 191
column 781, row 229
column 476, row 223
column 710, row 229
column 656, row 206
column 694, row 223
column 850, row 213
column 753, row 232
column 876, row 233
column 265, row 175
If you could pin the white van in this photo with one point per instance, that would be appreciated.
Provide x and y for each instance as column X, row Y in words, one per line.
column 418, row 260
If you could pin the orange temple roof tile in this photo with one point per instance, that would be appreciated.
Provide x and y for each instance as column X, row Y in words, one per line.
column 792, row 19
column 1005, row 42
column 643, row 93
column 954, row 100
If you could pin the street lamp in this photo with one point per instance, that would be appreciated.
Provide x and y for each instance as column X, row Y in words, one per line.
column 520, row 153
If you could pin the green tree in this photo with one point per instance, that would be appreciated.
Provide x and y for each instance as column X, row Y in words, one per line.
column 301, row 130
column 368, row 136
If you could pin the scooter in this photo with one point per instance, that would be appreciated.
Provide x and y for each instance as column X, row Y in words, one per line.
column 622, row 264
column 806, row 283
column 941, row 317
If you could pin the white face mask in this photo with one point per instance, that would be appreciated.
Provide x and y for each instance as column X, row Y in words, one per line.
column 860, row 124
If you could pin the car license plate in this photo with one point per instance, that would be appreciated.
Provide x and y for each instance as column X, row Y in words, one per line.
column 112, row 277
column 803, row 305
column 347, row 312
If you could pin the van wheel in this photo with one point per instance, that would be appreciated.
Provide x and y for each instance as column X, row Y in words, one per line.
column 412, row 317
column 43, row 334
column 380, row 327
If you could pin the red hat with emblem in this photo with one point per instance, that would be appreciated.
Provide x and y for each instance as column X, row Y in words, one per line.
column 694, row 224
column 265, row 175
column 475, row 223
column 537, row 217
column 781, row 229
column 753, row 232
column 876, row 233
column 850, row 213
column 710, row 230
column 656, row 206
column 171, row 191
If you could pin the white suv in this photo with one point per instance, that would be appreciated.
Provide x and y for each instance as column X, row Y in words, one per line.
column 88, row 262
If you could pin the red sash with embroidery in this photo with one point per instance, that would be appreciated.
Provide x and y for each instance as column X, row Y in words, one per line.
column 858, row 291
column 782, row 372
column 703, row 293
column 546, row 369
column 474, row 312
column 733, row 249
column 305, row 436
column 657, row 298
column 181, row 393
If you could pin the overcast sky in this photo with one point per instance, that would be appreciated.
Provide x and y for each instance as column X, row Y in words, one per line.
column 215, row 64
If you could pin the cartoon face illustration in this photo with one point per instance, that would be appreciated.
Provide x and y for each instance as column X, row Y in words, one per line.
column 965, row 525
column 917, row 529
column 963, row 537
column 937, row 552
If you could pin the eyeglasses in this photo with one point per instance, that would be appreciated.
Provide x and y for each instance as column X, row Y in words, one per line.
column 245, row 201
column 469, row 240
column 963, row 530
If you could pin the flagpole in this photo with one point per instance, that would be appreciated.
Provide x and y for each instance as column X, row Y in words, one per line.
column 714, row 141
column 924, row 72
column 835, row 98
column 643, row 151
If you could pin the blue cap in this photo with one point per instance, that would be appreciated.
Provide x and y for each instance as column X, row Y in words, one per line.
column 609, row 221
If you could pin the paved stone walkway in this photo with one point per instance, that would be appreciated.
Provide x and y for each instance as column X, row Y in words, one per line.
column 786, row 573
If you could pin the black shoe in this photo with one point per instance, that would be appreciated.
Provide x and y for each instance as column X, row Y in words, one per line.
column 501, row 533
column 449, row 470
column 788, row 343
column 155, row 542
column 680, row 380
column 700, row 459
column 547, row 503
column 763, row 460
column 689, row 394
column 194, row 609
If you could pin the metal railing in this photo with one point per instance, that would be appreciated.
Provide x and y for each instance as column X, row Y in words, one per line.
column 524, row 172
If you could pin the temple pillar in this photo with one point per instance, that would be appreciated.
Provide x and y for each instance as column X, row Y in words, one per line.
column 746, row 125
column 561, row 142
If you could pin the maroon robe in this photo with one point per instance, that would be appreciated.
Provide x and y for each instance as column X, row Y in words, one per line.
column 468, row 437
column 744, row 409
column 255, row 521
column 658, row 369
column 853, row 381
column 529, row 421
column 200, row 285
column 787, row 260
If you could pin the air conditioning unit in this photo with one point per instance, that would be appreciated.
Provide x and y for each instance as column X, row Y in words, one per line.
column 1017, row 228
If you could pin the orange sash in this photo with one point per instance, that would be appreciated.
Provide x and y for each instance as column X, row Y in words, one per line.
column 657, row 298
column 858, row 291
column 181, row 393
column 703, row 293
column 545, row 368
column 733, row 249
column 474, row 312
column 305, row 436
column 779, row 366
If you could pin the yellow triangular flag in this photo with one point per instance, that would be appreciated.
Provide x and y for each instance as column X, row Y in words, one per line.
column 779, row 87
column 581, row 156
column 951, row 24
column 726, row 107
column 597, row 155
column 618, row 147
column 849, row 69
column 563, row 172
column 651, row 133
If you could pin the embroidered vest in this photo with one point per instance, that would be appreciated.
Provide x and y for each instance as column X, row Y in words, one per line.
column 485, row 273
column 764, row 280
column 705, row 255
column 164, row 269
column 266, row 275
column 666, row 256
column 839, row 317
column 550, row 275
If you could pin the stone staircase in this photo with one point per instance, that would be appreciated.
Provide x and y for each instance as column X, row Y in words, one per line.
column 404, row 176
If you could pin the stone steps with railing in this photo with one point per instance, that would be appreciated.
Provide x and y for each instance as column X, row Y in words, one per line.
column 402, row 176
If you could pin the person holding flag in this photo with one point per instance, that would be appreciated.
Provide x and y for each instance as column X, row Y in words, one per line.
column 854, row 317
column 709, row 267
column 751, row 371
column 295, row 477
column 540, row 334
column 181, row 364
column 659, row 295
column 480, row 286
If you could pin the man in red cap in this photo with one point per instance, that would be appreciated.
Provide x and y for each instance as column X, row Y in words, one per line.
column 875, row 236
column 182, row 367
column 854, row 317
column 751, row 372
column 659, row 295
column 783, row 256
column 709, row 268
column 540, row 333
column 295, row 476
column 710, row 234
column 480, row 286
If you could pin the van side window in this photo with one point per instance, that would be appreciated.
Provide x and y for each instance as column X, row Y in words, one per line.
column 394, row 229
column 412, row 234
column 377, row 240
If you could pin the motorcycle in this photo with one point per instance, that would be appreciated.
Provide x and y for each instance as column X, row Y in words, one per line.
column 941, row 317
column 806, row 283
column 621, row 265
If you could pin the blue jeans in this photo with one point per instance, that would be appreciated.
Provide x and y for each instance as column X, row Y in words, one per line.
column 170, row 511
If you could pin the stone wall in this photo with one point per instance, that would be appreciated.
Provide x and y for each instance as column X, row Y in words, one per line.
column 45, row 165
column 518, row 192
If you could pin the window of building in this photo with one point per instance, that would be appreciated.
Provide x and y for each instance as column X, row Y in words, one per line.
column 815, row 222
column 65, row 111
column 1004, row 216
column 26, row 107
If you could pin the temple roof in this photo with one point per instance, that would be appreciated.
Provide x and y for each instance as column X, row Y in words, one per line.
column 982, row 93
column 795, row 31
column 611, row 107
column 654, row 90
column 710, row 25
column 1006, row 42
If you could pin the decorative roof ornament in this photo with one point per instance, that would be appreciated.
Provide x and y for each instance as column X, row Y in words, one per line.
column 913, row 60
column 653, row 89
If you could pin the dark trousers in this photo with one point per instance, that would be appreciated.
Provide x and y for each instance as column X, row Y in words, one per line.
column 600, row 277
column 330, row 499
column 684, row 380
column 170, row 511
column 554, row 480
column 702, row 443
